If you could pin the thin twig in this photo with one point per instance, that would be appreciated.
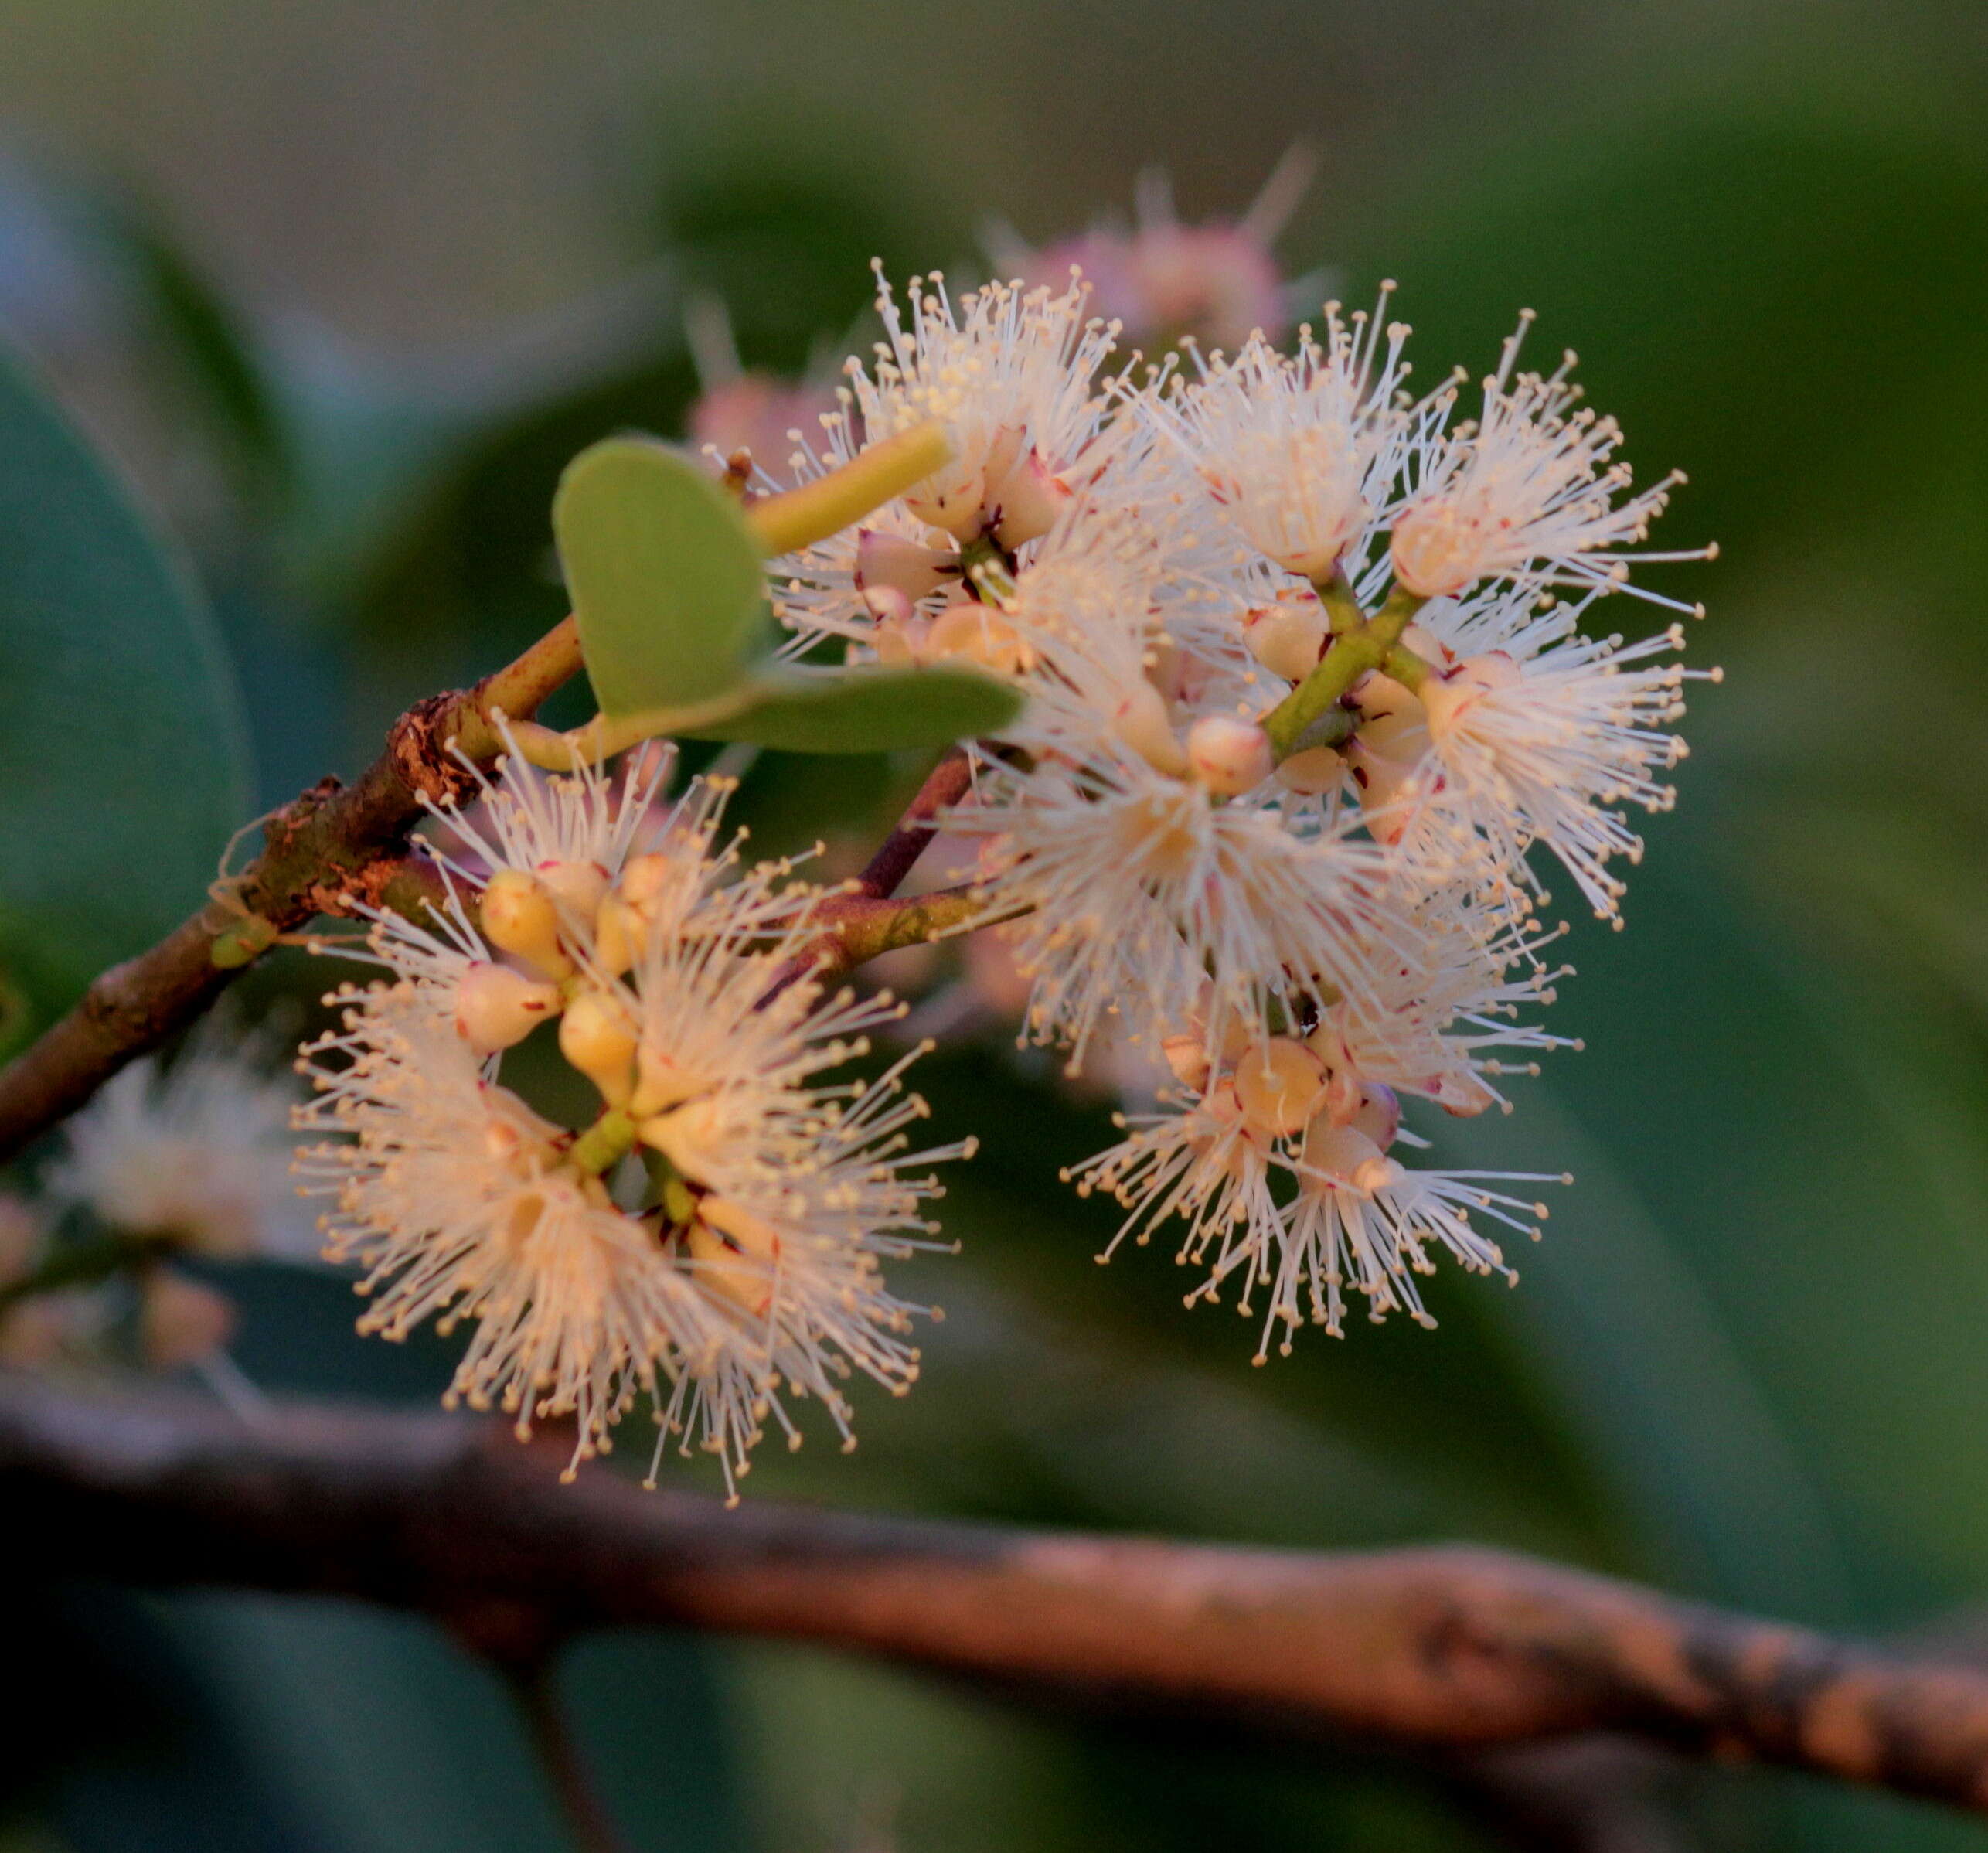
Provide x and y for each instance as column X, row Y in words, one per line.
column 1450, row 1649
column 946, row 785
column 565, row 1766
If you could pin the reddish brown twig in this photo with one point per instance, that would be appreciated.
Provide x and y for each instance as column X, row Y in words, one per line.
column 320, row 849
column 946, row 785
column 1457, row 1649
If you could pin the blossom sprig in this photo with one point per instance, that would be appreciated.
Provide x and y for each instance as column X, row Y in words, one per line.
column 1304, row 706
column 712, row 1241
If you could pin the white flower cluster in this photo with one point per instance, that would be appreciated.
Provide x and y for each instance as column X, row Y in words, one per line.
column 1308, row 686
column 713, row 1240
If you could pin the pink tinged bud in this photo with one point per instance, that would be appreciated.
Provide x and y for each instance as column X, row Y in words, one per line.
column 736, row 1252
column 1280, row 1084
column 182, row 1321
column 890, row 568
column 1387, row 754
column 1313, row 773
column 519, row 917
column 495, row 1006
column 1288, row 637
column 1027, row 501
column 1228, row 757
column 597, row 1038
column 890, row 607
column 1437, row 549
column 1378, row 1115
column 1340, row 1154
column 1142, row 724
column 1448, row 699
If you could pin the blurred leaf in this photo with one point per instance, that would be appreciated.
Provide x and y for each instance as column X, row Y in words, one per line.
column 666, row 578
column 122, row 766
column 869, row 711
column 212, row 348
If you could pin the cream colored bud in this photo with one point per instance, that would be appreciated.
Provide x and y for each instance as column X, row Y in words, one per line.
column 596, row 1035
column 1437, row 549
column 973, row 632
column 689, row 1137
column 735, row 1253
column 1337, row 1153
column 1313, row 773
column 1288, row 637
column 578, row 887
column 1142, row 724
column 518, row 916
column 1280, row 1084
column 1186, row 1054
column 950, row 501
column 181, row 1321
column 1446, row 698
column 900, row 642
column 1465, row 1096
column 618, row 933
column 1228, row 757
column 495, row 1006
column 661, row 1083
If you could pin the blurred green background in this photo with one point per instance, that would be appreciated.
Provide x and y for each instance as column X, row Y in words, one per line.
column 342, row 283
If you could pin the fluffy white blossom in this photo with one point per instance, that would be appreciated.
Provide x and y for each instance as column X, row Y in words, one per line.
column 713, row 1242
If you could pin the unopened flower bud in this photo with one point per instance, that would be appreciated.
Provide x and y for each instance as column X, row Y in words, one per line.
column 950, row 501
column 618, row 935
column 181, row 1321
column 688, row 1136
column 1185, row 1053
column 1386, row 753
column 1336, row 1154
column 578, row 887
column 972, row 632
column 1288, row 637
column 596, row 1035
column 1446, row 698
column 519, row 916
column 894, row 574
column 735, row 1252
column 495, row 1006
column 1228, row 757
column 661, row 1083
column 1142, row 724
column 1378, row 1115
column 1437, row 548
column 1313, row 773
column 1026, row 501
column 901, row 643
column 1280, row 1084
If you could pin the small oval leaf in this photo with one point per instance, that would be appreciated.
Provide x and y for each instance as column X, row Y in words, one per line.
column 868, row 711
column 666, row 576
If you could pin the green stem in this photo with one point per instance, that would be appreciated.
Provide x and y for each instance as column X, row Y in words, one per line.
column 605, row 1143
column 1342, row 608
column 1350, row 654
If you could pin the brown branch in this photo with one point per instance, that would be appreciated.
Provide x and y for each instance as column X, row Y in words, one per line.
column 1451, row 1648
column 945, row 784
column 319, row 849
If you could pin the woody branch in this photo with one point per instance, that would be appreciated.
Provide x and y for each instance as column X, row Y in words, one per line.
column 1443, row 1650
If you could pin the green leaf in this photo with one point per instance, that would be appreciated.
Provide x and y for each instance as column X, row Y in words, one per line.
column 666, row 576
column 868, row 711
column 123, row 768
